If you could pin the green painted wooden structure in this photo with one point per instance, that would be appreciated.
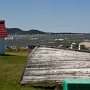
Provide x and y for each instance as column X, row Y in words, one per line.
column 76, row 84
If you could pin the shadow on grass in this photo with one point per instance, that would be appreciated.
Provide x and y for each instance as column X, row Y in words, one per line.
column 6, row 55
column 44, row 88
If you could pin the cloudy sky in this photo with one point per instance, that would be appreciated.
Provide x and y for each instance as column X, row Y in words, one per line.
column 47, row 15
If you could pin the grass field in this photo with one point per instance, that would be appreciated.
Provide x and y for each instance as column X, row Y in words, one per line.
column 11, row 67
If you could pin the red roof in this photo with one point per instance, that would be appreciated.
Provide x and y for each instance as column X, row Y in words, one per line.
column 3, row 31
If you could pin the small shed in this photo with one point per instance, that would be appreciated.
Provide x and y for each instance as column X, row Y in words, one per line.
column 3, row 34
column 76, row 84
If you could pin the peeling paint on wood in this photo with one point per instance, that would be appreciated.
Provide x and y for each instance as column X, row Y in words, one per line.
column 54, row 65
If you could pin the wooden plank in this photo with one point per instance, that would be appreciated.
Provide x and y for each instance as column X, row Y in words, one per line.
column 54, row 65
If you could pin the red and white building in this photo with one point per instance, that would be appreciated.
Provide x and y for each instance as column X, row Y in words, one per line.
column 3, row 34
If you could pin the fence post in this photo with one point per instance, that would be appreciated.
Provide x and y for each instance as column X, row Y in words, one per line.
column 59, row 87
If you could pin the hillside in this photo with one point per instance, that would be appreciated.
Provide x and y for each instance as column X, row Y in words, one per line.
column 19, row 31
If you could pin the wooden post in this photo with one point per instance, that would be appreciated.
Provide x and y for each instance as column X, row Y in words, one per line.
column 59, row 87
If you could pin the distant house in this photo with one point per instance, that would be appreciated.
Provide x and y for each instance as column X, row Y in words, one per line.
column 3, row 34
column 86, row 44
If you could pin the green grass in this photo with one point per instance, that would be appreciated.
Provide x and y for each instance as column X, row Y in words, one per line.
column 11, row 68
column 18, row 53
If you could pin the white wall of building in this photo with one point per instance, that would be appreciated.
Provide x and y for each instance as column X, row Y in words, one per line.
column 2, row 45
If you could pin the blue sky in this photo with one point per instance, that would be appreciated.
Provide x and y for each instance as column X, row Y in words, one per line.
column 47, row 15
